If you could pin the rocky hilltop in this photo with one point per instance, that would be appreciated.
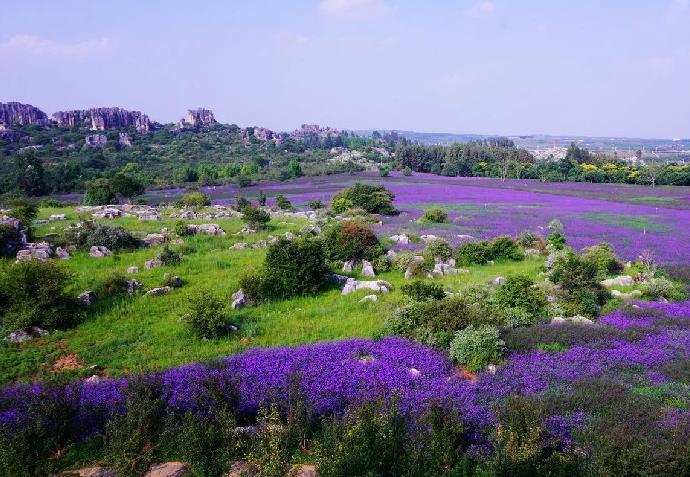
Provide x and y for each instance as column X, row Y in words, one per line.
column 196, row 118
column 22, row 114
column 314, row 130
column 101, row 119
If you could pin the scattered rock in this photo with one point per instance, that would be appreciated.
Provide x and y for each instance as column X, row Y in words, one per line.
column 401, row 239
column 132, row 270
column 620, row 281
column 369, row 298
column 498, row 281
column 559, row 320
column 414, row 372
column 18, row 336
column 238, row 299
column 98, row 251
column 39, row 251
column 367, row 269
column 302, row 470
column 209, row 229
column 158, row 291
column 168, row 469
column 412, row 266
column 132, row 286
column 243, row 468
column 353, row 285
column 289, row 235
column 428, row 238
column 532, row 252
column 62, row 254
column 93, row 472
column 94, row 379
column 155, row 239
column 57, row 217
column 239, row 246
column 154, row 263
column 88, row 297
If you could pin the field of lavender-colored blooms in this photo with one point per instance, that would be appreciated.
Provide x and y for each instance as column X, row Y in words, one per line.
column 632, row 218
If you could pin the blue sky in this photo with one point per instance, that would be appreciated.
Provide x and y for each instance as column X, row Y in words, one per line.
column 584, row 67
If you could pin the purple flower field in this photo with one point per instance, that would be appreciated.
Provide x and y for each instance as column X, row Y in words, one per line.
column 631, row 218
column 333, row 376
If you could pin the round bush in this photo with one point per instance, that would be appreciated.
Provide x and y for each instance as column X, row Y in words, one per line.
column 504, row 247
column 294, row 267
column 435, row 215
column 419, row 290
column 115, row 238
column 254, row 217
column 194, row 199
column 474, row 253
column 372, row 198
column 475, row 347
column 518, row 291
column 351, row 241
column 206, row 316
column 438, row 248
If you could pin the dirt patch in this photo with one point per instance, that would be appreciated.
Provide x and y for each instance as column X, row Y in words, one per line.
column 66, row 362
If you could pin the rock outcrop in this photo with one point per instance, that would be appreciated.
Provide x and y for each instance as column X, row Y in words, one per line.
column 102, row 119
column 95, row 140
column 14, row 113
column 200, row 117
column 314, row 130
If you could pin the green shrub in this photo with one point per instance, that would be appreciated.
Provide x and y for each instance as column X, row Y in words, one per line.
column 269, row 449
column 438, row 248
column 662, row 287
column 506, row 248
column 99, row 192
column 254, row 217
column 475, row 347
column 370, row 441
column 579, row 285
column 401, row 261
column 381, row 264
column 341, row 204
column 556, row 240
column 8, row 235
column 294, row 267
column 372, row 198
column 407, row 171
column 474, row 253
column 261, row 198
column 605, row 259
column 33, row 293
column 169, row 258
column 25, row 211
column 283, row 203
column 206, row 315
column 435, row 215
column 351, row 241
column 194, row 200
column 384, row 171
column 315, row 204
column 114, row 284
column 181, row 229
column 518, row 291
column 528, row 240
column 253, row 286
column 50, row 204
column 114, row 238
column 419, row 290
column 131, row 436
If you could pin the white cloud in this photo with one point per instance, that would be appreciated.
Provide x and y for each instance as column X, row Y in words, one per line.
column 354, row 8
column 482, row 9
column 681, row 4
column 37, row 46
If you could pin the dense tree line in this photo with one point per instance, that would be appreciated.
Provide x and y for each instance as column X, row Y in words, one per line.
column 501, row 159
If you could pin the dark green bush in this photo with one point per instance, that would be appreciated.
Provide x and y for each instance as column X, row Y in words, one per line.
column 194, row 199
column 115, row 238
column 206, row 315
column 506, row 248
column 438, row 248
column 351, row 241
column 579, row 284
column 294, row 267
column 169, row 257
column 34, row 294
column 475, row 347
column 114, row 284
column 254, row 217
column 315, row 204
column 269, row 447
column 283, row 203
column 419, row 290
column 556, row 240
column 8, row 236
column 474, row 253
column 24, row 210
column 99, row 192
column 374, row 199
column 518, row 291
column 529, row 240
column 181, row 229
column 605, row 259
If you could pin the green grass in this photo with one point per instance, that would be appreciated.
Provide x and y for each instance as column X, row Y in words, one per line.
column 635, row 222
column 137, row 333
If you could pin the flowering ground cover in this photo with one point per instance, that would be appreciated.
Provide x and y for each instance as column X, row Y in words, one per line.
column 631, row 218
column 649, row 362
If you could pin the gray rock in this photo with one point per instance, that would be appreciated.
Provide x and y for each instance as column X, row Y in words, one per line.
column 367, row 269
column 238, row 299
column 621, row 281
column 153, row 263
column 302, row 470
column 18, row 336
column 498, row 281
column 62, row 254
column 159, row 291
column 243, row 468
column 369, row 298
column 93, row 379
column 88, row 297
column 132, row 286
column 38, row 251
column 239, row 246
column 168, row 469
column 132, row 270
column 95, row 472
column 98, row 251
column 352, row 285
column 155, row 239
column 401, row 239
column 349, row 266
column 57, row 217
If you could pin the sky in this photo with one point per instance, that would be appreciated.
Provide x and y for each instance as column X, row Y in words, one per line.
column 585, row 67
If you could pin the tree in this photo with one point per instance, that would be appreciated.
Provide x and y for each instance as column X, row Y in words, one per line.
column 127, row 186
column 650, row 173
column 99, row 192
column 255, row 217
column 30, row 177
column 294, row 168
column 294, row 267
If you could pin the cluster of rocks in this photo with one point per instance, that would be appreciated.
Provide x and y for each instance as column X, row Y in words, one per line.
column 95, row 140
column 14, row 113
column 352, row 285
column 619, row 281
column 142, row 212
column 17, row 240
column 197, row 118
column 99, row 251
column 20, row 336
column 206, row 229
column 39, row 251
column 102, row 119
column 366, row 266
column 179, row 469
column 446, row 267
column 401, row 239
column 314, row 130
